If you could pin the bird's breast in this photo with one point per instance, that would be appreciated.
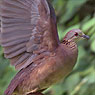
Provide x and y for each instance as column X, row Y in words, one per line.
column 60, row 65
column 52, row 70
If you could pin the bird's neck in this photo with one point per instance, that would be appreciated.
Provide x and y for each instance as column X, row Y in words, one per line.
column 70, row 51
column 70, row 45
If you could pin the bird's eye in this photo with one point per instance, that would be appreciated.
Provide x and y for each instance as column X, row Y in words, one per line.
column 76, row 34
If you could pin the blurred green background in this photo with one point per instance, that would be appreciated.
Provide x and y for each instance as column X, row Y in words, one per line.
column 70, row 14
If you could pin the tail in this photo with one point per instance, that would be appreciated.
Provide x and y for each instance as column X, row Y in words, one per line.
column 20, row 76
column 14, row 83
column 12, row 86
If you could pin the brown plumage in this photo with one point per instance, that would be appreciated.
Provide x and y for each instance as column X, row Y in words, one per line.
column 30, row 40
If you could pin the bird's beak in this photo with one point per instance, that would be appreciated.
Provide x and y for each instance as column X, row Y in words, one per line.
column 85, row 36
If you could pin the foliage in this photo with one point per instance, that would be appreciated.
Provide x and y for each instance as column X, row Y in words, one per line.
column 70, row 14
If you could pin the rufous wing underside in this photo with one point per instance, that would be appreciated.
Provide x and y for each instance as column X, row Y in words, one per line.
column 28, row 28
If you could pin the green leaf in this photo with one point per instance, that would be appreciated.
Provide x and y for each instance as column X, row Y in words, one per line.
column 93, row 46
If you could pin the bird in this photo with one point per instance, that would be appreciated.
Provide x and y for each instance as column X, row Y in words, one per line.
column 30, row 41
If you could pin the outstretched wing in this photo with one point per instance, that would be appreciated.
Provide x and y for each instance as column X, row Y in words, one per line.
column 28, row 29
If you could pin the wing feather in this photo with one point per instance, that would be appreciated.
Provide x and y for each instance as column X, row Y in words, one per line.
column 28, row 29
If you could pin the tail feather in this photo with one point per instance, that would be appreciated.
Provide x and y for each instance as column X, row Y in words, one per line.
column 14, row 83
column 20, row 76
column 12, row 86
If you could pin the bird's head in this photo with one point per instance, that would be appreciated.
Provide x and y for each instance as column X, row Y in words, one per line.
column 75, row 35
